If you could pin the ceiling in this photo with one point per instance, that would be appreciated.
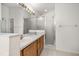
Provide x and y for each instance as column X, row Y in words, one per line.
column 39, row 8
column 10, row 4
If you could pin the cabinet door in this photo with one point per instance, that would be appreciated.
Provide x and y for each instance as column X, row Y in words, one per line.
column 31, row 50
column 21, row 53
column 40, row 44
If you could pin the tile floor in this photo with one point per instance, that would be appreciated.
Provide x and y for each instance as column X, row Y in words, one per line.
column 50, row 50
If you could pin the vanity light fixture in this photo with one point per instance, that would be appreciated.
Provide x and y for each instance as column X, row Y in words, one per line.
column 27, row 7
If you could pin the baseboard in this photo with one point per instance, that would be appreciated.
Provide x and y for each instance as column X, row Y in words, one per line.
column 65, row 51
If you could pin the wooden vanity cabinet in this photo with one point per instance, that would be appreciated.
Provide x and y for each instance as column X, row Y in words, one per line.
column 30, row 50
column 34, row 49
column 40, row 45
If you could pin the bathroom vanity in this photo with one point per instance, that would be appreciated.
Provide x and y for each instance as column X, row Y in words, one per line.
column 9, row 44
column 32, row 44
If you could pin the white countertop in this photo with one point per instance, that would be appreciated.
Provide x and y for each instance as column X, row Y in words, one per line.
column 7, row 34
column 29, row 38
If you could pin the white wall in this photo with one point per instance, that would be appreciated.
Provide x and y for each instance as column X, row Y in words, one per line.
column 0, row 17
column 67, row 35
column 0, row 11
column 5, row 16
column 12, row 12
column 18, row 14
